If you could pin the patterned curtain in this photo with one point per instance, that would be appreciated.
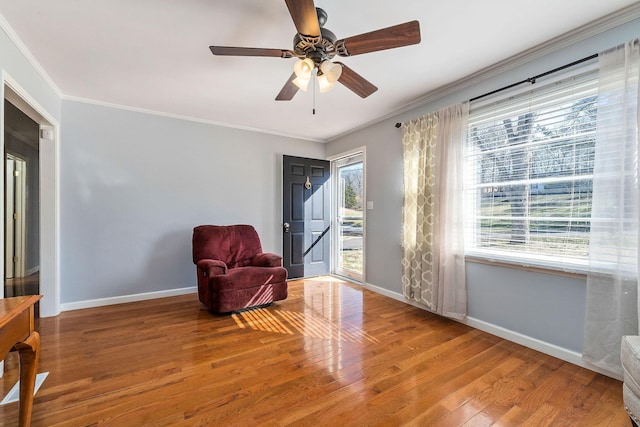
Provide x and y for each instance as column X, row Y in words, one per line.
column 433, row 270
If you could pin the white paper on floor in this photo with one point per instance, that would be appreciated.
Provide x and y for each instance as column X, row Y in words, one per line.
column 14, row 393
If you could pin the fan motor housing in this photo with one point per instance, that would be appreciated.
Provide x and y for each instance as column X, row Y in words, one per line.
column 310, row 47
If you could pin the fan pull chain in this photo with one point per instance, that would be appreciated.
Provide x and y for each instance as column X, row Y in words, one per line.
column 313, row 83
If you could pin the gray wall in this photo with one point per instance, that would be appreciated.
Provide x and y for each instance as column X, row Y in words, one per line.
column 133, row 186
column 546, row 307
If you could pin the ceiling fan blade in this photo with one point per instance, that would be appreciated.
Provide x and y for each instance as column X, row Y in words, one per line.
column 385, row 38
column 288, row 91
column 305, row 18
column 355, row 82
column 250, row 51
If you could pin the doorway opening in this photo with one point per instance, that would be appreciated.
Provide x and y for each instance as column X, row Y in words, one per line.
column 41, row 259
column 21, row 203
column 349, row 202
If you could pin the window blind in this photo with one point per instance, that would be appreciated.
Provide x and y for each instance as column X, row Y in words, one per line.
column 529, row 171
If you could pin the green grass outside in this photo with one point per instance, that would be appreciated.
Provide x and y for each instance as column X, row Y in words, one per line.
column 539, row 208
column 352, row 260
column 545, row 237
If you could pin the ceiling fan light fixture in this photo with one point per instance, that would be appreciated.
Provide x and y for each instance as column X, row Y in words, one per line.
column 303, row 84
column 331, row 71
column 303, row 68
column 314, row 46
column 324, row 83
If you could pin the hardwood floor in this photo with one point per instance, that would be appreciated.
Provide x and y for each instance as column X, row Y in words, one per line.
column 331, row 354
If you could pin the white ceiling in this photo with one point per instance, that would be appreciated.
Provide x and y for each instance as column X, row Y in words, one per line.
column 154, row 55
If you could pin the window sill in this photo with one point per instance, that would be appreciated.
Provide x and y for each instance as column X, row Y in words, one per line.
column 575, row 271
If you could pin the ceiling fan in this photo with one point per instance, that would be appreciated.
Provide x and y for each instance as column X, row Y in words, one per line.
column 315, row 46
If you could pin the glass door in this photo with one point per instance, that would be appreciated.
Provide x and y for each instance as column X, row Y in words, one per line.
column 348, row 259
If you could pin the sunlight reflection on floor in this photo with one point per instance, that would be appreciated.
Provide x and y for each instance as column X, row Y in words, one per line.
column 325, row 305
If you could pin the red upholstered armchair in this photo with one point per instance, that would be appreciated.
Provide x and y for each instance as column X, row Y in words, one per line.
column 233, row 272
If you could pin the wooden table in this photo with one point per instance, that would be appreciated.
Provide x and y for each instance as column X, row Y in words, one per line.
column 17, row 331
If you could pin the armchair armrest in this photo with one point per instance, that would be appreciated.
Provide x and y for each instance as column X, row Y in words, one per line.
column 266, row 260
column 211, row 267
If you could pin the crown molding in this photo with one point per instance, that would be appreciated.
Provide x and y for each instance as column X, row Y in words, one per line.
column 567, row 39
column 13, row 36
column 185, row 118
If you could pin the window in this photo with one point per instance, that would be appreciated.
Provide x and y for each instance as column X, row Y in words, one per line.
column 528, row 174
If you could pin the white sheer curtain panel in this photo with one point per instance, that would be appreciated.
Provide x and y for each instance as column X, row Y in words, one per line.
column 612, row 282
column 433, row 270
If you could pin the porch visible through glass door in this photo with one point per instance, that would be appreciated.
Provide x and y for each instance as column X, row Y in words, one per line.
column 349, row 173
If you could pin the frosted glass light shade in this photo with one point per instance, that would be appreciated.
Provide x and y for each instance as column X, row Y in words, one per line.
column 302, row 83
column 331, row 70
column 303, row 68
column 324, row 84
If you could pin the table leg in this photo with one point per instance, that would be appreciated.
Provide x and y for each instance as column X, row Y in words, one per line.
column 29, row 351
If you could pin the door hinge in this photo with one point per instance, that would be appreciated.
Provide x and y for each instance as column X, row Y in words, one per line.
column 15, row 259
column 16, row 173
column 15, row 215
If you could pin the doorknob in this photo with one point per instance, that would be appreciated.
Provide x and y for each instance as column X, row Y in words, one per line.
column 286, row 226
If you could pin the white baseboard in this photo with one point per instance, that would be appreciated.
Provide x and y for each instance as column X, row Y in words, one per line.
column 516, row 337
column 77, row 305
column 536, row 344
column 383, row 291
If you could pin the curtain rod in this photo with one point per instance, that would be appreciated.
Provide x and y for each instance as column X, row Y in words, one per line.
column 531, row 80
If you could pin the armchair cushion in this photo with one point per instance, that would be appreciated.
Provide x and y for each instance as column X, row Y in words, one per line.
column 266, row 260
column 247, row 277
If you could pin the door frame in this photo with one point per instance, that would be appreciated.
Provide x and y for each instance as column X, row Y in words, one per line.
column 49, row 152
column 334, row 212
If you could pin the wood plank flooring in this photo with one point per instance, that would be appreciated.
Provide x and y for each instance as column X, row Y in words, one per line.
column 332, row 354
